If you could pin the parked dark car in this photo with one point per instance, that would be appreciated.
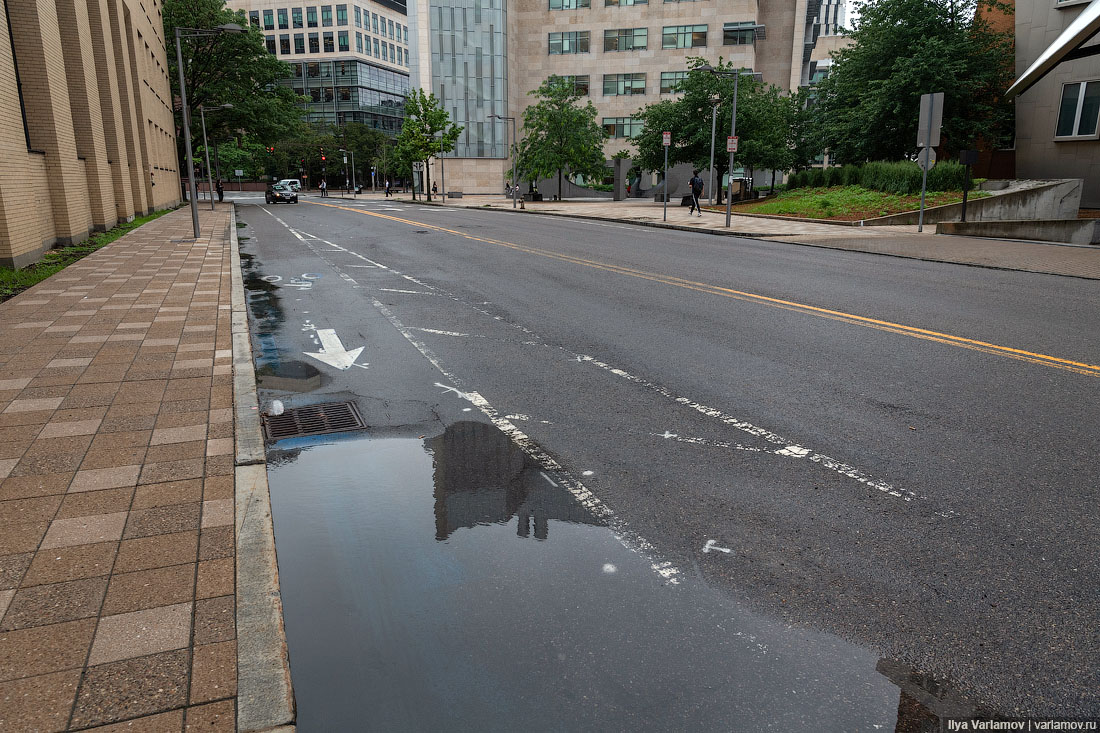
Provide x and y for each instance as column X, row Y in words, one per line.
column 280, row 193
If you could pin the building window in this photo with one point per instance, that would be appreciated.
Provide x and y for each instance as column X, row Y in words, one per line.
column 284, row 44
column 670, row 81
column 1079, row 111
column 615, row 85
column 296, row 17
column 568, row 42
column 341, row 15
column 739, row 34
column 622, row 126
column 284, row 21
column 580, row 84
column 330, row 42
column 376, row 52
column 569, row 4
column 269, row 20
column 299, row 43
column 314, row 43
column 269, row 41
column 254, row 17
column 311, row 17
column 342, row 40
column 406, row 32
column 608, row 3
column 625, row 39
column 326, row 16
column 684, row 36
column 358, row 17
column 358, row 42
column 391, row 29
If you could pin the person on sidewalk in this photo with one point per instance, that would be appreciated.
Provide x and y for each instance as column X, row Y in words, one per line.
column 388, row 194
column 221, row 191
column 696, row 191
column 324, row 189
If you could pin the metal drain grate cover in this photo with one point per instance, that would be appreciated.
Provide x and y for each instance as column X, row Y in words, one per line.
column 326, row 417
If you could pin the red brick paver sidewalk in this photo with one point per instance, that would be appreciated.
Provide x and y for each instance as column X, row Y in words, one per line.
column 116, row 488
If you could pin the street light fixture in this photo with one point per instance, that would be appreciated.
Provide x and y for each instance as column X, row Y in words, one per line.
column 206, row 148
column 515, row 184
column 194, row 33
column 733, row 122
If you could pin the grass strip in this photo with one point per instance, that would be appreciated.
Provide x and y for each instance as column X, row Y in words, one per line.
column 845, row 203
column 13, row 282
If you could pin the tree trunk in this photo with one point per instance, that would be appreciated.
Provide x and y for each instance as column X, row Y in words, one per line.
column 773, row 179
column 559, row 185
column 427, row 182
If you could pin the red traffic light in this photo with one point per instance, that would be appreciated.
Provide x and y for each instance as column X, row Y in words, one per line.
column 322, row 157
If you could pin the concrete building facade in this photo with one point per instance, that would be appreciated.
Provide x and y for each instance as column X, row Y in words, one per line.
column 86, row 121
column 484, row 57
column 350, row 59
column 1058, row 119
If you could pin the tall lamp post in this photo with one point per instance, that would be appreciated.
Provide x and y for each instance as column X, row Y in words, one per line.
column 352, row 154
column 515, row 185
column 733, row 122
column 194, row 33
column 713, row 129
column 206, row 149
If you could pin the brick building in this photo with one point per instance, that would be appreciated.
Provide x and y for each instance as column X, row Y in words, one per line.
column 86, row 124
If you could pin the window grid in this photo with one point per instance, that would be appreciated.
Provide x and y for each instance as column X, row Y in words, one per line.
column 569, row 4
column 284, row 21
column 623, row 3
column 299, row 43
column 296, row 17
column 342, row 41
column 341, row 15
column 615, row 85
column 739, row 34
column 326, row 16
column 625, row 39
column 670, row 80
column 684, row 36
column 314, row 43
column 311, row 17
column 1079, row 110
column 284, row 44
column 620, row 127
column 569, row 42
column 330, row 42
column 269, row 20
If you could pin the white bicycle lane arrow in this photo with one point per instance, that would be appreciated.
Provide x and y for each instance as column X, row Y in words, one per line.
column 333, row 352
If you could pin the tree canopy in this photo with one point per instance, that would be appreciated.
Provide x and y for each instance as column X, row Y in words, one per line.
column 560, row 136
column 868, row 106
column 426, row 132
column 233, row 68
column 764, row 122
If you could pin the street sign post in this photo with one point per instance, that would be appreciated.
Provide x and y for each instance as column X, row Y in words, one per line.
column 666, row 141
column 928, row 137
column 967, row 158
column 731, row 144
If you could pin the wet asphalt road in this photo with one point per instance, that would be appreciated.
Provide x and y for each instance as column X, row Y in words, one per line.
column 888, row 459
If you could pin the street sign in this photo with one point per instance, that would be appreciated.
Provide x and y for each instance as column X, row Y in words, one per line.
column 931, row 117
column 666, row 139
column 238, row 173
column 345, row 159
column 731, row 144
column 968, row 157
column 926, row 158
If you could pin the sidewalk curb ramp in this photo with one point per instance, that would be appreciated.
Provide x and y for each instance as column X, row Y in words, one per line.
column 265, row 696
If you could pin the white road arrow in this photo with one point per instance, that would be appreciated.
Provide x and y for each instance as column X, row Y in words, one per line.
column 332, row 351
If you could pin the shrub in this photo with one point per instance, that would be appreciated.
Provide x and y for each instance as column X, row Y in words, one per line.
column 817, row 177
column 902, row 178
column 948, row 175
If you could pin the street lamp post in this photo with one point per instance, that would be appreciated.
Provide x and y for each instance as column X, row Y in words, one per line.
column 515, row 185
column 206, row 149
column 352, row 154
column 190, row 33
column 713, row 130
column 733, row 124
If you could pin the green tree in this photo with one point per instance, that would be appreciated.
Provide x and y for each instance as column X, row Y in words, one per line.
column 426, row 132
column 233, row 68
column 763, row 123
column 868, row 107
column 560, row 135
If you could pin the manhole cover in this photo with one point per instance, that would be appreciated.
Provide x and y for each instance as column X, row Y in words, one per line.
column 326, row 417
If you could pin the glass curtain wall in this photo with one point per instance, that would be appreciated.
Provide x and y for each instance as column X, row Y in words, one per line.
column 470, row 72
column 351, row 91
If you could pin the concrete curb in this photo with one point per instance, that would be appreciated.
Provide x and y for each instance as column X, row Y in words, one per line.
column 265, row 696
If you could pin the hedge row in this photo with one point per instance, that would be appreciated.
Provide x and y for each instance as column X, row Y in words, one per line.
column 903, row 178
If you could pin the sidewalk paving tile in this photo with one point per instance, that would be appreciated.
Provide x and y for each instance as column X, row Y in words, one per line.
column 117, row 565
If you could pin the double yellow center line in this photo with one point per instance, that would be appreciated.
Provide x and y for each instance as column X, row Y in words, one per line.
column 899, row 328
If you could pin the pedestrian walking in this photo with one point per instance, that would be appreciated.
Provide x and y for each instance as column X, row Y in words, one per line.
column 434, row 189
column 388, row 193
column 221, row 191
column 696, row 191
column 324, row 189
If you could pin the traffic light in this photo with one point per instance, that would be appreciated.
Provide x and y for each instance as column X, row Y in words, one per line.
column 323, row 155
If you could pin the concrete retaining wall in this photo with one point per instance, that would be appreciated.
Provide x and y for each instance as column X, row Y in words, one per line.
column 1072, row 231
column 1059, row 199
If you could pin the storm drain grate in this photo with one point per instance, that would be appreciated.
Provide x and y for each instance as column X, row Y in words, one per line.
column 326, row 417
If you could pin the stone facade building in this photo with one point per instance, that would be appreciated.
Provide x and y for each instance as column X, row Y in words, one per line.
column 483, row 57
column 86, row 125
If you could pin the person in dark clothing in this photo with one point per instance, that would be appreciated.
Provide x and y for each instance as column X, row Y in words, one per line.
column 696, row 191
column 221, row 191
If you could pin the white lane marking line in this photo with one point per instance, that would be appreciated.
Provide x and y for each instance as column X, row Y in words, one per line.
column 459, row 393
column 609, row 568
column 626, row 536
column 710, row 443
column 517, row 416
column 332, row 350
column 712, row 547
column 828, row 462
column 587, row 473
column 373, row 267
column 395, row 290
column 548, row 479
column 442, row 333
column 345, row 276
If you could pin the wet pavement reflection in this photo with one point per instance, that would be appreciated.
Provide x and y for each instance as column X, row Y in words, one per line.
column 446, row 583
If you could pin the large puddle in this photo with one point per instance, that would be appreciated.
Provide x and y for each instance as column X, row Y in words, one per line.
column 446, row 583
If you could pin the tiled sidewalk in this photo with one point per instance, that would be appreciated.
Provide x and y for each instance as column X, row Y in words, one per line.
column 117, row 573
